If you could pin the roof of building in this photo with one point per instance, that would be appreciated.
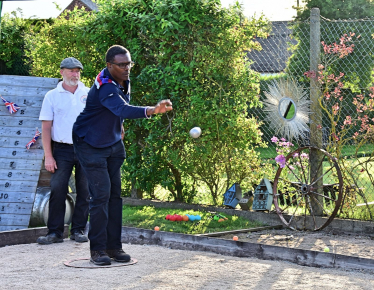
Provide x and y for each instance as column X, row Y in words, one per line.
column 90, row 4
column 275, row 49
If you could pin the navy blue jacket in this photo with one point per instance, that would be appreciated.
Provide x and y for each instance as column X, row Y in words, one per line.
column 106, row 107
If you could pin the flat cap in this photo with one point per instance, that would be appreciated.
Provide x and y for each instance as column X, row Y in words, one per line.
column 71, row 62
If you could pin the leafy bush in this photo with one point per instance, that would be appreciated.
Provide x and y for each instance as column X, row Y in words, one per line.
column 12, row 58
column 337, row 9
column 190, row 51
column 62, row 38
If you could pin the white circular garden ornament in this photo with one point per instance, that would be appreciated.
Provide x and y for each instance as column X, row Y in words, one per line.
column 288, row 108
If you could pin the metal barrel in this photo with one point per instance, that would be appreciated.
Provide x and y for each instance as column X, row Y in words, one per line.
column 39, row 214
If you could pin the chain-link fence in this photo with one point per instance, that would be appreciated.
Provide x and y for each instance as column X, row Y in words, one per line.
column 19, row 68
column 287, row 54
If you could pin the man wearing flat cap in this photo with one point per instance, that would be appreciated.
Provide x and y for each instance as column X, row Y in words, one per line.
column 60, row 108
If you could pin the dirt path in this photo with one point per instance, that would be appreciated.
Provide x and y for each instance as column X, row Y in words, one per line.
column 35, row 266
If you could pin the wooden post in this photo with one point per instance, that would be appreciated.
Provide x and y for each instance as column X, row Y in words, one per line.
column 316, row 116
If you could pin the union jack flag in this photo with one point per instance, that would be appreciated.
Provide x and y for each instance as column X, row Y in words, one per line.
column 12, row 107
column 37, row 135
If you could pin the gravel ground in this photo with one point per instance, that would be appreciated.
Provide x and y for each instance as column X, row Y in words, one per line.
column 344, row 244
column 34, row 266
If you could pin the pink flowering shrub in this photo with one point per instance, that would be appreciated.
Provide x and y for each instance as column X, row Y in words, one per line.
column 332, row 98
column 283, row 148
column 281, row 160
column 294, row 166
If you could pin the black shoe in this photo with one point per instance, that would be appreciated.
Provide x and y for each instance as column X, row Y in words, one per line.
column 119, row 255
column 49, row 239
column 100, row 258
column 79, row 237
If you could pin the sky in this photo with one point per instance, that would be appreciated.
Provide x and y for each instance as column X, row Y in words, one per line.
column 274, row 10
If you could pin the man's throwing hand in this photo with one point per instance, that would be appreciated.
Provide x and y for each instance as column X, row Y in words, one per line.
column 163, row 107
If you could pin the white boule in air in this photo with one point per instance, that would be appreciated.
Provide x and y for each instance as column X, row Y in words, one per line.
column 195, row 132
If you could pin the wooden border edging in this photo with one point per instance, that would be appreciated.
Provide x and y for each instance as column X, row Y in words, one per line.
column 217, row 234
column 244, row 249
column 25, row 236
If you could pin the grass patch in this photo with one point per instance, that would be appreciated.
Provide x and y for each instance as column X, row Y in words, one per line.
column 364, row 150
column 267, row 153
column 147, row 217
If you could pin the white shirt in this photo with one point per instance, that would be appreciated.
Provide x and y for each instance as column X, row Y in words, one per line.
column 62, row 107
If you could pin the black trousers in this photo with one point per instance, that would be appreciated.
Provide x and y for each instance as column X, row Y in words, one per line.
column 102, row 167
column 66, row 160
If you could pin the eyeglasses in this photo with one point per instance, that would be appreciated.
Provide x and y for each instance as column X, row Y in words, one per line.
column 124, row 64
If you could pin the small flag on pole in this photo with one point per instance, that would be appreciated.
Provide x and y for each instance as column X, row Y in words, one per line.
column 37, row 135
column 12, row 107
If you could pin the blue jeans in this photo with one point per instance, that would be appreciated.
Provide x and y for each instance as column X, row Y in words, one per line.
column 66, row 160
column 103, row 170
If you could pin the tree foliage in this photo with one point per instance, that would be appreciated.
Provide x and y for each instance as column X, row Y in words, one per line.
column 191, row 51
column 62, row 38
column 337, row 9
column 12, row 32
column 358, row 69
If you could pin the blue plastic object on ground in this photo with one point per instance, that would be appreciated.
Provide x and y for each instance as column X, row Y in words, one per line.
column 233, row 195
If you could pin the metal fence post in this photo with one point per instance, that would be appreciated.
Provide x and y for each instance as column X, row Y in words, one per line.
column 316, row 116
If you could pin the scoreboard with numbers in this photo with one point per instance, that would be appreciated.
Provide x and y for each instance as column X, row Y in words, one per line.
column 20, row 169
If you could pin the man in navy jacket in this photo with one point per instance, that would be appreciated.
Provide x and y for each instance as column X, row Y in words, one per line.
column 99, row 148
